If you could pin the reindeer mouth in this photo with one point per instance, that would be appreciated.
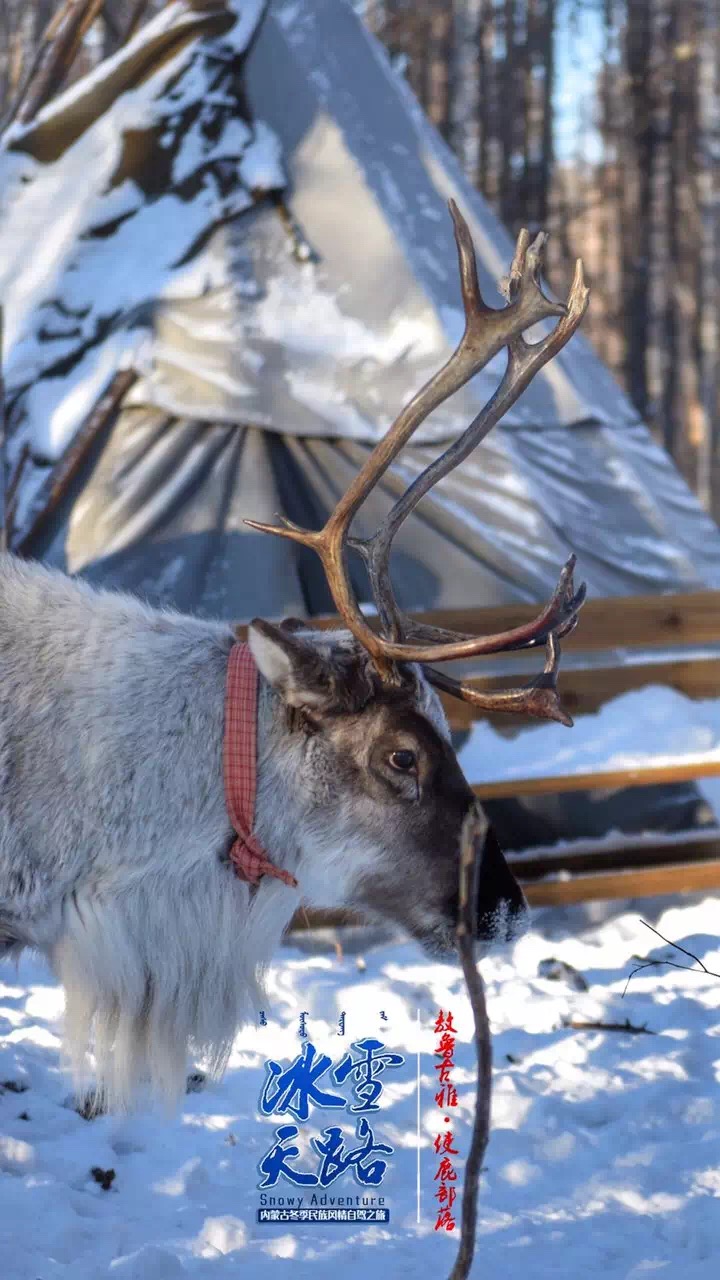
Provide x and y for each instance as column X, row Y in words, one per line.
column 505, row 924
column 502, row 926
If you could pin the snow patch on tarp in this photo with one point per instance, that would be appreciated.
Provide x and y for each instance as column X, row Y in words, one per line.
column 80, row 286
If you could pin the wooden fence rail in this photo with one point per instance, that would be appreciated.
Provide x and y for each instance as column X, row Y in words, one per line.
column 612, row 622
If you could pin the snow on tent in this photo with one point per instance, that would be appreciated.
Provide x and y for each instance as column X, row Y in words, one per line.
column 234, row 235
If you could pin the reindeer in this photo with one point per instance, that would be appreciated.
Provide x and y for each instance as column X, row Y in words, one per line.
column 116, row 839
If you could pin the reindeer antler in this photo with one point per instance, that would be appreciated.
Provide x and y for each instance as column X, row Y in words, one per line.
column 487, row 330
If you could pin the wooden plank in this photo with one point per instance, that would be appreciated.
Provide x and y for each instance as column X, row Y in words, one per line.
column 584, row 691
column 702, row 846
column 653, row 621
column 611, row 779
column 324, row 918
column 648, row 621
column 636, row 883
column 630, row 882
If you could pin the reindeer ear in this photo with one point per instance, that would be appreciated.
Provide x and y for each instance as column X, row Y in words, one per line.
column 290, row 665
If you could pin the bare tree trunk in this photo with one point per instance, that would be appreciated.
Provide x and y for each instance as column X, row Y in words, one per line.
column 507, row 184
column 486, row 93
column 547, row 61
column 688, row 413
column 527, row 112
column 638, row 229
column 708, row 183
column 667, row 400
column 440, row 65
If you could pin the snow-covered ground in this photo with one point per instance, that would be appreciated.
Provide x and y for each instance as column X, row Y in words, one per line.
column 604, row 1159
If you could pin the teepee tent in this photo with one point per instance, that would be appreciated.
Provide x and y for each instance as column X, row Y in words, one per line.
column 227, row 264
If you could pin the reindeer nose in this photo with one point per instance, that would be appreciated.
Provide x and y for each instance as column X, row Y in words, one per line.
column 502, row 911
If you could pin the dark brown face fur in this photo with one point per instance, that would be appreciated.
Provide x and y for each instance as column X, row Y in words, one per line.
column 395, row 775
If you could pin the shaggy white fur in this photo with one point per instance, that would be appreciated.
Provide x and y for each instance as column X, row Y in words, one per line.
column 114, row 832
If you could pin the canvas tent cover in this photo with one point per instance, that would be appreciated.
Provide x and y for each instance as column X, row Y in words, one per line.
column 141, row 228
column 267, row 374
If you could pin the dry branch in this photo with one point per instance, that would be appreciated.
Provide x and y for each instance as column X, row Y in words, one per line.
column 473, row 840
column 579, row 1024
column 672, row 964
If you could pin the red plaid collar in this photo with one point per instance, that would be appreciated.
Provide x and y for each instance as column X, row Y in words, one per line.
column 240, row 768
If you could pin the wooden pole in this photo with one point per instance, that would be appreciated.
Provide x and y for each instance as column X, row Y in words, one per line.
column 58, row 60
column 66, row 468
column 46, row 39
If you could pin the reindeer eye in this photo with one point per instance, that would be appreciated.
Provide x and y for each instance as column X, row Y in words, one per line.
column 403, row 761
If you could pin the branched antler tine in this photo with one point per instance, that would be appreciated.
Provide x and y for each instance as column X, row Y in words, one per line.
column 552, row 656
column 535, row 257
column 559, row 615
column 517, row 267
column 389, row 612
column 286, row 529
column 473, row 301
column 525, row 272
column 486, row 331
column 539, row 698
column 423, row 642
column 567, row 628
column 525, row 360
column 561, row 629
column 426, row 634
